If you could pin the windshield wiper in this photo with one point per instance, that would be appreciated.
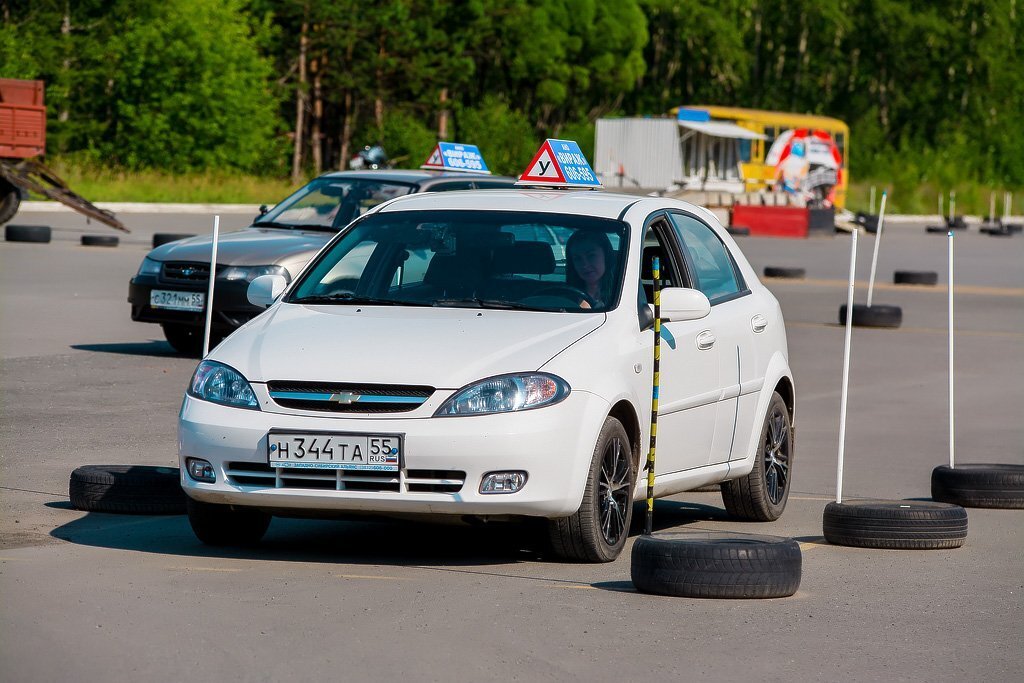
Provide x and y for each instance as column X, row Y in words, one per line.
column 294, row 226
column 350, row 298
column 271, row 224
column 476, row 302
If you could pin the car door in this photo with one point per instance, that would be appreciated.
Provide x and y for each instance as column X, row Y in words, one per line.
column 727, row 329
column 690, row 385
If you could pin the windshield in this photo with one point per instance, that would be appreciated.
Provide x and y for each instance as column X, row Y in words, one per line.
column 472, row 259
column 331, row 203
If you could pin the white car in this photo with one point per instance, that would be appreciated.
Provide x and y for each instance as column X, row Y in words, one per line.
column 490, row 354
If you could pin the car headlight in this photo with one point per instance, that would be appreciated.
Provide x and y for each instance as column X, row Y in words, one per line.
column 149, row 267
column 506, row 394
column 218, row 383
column 250, row 273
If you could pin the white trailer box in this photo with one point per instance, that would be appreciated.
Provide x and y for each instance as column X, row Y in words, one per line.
column 637, row 153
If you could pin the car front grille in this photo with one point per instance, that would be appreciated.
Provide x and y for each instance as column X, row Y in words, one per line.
column 262, row 475
column 339, row 397
column 186, row 272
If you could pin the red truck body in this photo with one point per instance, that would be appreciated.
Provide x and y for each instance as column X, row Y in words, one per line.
column 22, row 119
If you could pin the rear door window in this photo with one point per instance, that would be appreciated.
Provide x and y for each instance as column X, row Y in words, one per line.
column 712, row 268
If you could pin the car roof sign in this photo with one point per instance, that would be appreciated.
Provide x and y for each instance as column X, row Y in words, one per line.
column 559, row 163
column 454, row 156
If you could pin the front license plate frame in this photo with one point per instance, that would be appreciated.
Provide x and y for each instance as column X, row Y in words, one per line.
column 335, row 450
column 176, row 300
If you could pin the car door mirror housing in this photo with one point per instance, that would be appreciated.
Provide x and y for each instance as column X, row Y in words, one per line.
column 680, row 303
column 264, row 290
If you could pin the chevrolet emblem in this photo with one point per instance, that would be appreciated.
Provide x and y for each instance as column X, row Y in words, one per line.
column 344, row 397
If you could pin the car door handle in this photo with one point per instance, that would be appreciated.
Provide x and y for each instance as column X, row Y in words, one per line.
column 705, row 340
column 758, row 323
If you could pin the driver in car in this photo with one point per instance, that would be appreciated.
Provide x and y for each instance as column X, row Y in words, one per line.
column 590, row 257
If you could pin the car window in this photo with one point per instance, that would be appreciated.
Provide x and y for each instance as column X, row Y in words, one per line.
column 498, row 259
column 332, row 202
column 714, row 272
column 450, row 186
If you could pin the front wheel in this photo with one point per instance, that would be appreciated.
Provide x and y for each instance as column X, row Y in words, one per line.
column 598, row 530
column 761, row 495
column 226, row 525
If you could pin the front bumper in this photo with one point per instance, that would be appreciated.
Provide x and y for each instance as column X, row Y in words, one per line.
column 231, row 307
column 553, row 445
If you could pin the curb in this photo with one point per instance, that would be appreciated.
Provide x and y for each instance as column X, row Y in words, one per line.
column 144, row 207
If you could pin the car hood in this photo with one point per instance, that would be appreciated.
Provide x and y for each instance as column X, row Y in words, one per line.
column 445, row 348
column 248, row 247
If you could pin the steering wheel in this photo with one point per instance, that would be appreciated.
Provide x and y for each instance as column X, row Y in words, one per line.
column 567, row 292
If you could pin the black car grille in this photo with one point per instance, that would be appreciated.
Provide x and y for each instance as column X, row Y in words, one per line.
column 340, row 397
column 262, row 475
column 186, row 272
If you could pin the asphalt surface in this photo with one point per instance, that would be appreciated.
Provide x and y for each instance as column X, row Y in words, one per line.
column 92, row 597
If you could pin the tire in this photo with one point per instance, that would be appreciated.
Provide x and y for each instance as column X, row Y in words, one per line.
column 597, row 532
column 225, row 525
column 165, row 237
column 868, row 221
column 895, row 525
column 879, row 315
column 956, row 223
column 716, row 565
column 980, row 485
column 937, row 229
column 10, row 200
column 761, row 496
column 787, row 273
column 915, row 277
column 185, row 339
column 1012, row 228
column 28, row 233
column 1002, row 232
column 127, row 489
column 100, row 240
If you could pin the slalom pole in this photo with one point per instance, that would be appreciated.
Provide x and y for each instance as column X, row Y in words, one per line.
column 992, row 207
column 874, row 257
column 940, row 207
column 949, row 238
column 846, row 364
column 209, row 290
column 649, row 521
column 872, row 209
column 952, row 205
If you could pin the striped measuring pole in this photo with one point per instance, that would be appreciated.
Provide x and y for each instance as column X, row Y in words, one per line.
column 649, row 522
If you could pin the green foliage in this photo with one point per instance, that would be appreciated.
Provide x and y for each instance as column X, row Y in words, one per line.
column 505, row 136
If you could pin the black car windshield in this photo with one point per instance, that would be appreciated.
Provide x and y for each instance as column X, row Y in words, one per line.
column 331, row 203
column 472, row 259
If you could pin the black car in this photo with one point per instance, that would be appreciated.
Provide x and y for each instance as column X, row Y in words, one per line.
column 171, row 285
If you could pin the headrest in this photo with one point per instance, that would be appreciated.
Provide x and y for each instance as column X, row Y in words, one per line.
column 524, row 258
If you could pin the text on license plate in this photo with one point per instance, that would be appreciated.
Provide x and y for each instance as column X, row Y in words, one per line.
column 177, row 301
column 379, row 452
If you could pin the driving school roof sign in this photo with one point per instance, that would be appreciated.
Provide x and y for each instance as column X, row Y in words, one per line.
column 452, row 156
column 559, row 163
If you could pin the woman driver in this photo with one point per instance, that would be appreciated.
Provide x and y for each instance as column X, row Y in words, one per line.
column 591, row 264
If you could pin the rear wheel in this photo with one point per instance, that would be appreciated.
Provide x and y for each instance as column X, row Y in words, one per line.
column 761, row 495
column 226, row 525
column 598, row 530
column 10, row 200
column 185, row 339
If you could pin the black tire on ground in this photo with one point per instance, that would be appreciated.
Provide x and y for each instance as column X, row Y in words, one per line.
column 10, row 200
column 738, row 231
column 597, row 532
column 915, row 277
column 165, row 237
column 895, row 524
column 788, row 273
column 186, row 339
column 127, row 489
column 226, row 524
column 1011, row 227
column 716, row 565
column 868, row 221
column 100, row 240
column 761, row 495
column 937, row 229
column 1002, row 232
column 956, row 223
column 984, row 485
column 878, row 315
column 27, row 233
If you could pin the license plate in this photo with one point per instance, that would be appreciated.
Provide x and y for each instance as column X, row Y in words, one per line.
column 332, row 451
column 177, row 301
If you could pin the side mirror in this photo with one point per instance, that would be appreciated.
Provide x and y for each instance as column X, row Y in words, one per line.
column 264, row 290
column 263, row 209
column 679, row 303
